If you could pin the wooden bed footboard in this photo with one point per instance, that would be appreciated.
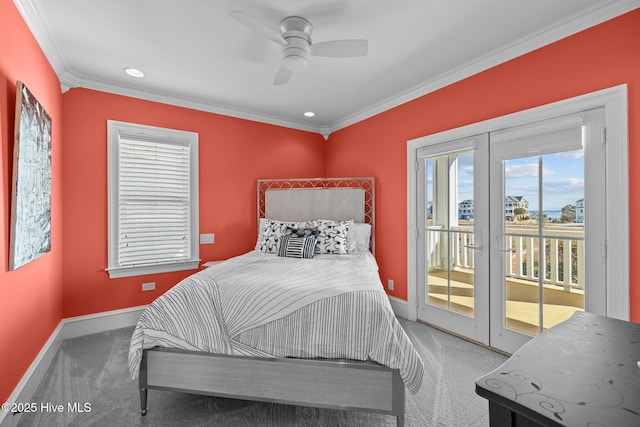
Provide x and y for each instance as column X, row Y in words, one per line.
column 334, row 384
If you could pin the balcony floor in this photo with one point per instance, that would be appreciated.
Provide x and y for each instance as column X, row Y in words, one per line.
column 522, row 300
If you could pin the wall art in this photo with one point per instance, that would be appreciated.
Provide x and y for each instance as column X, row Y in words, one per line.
column 31, row 181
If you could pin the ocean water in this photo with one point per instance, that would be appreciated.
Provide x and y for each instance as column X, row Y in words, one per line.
column 551, row 213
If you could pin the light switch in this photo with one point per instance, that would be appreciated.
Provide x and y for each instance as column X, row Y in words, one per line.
column 207, row 239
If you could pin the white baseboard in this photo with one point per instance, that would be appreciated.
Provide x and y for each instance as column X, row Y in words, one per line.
column 31, row 379
column 101, row 322
column 400, row 307
column 67, row 328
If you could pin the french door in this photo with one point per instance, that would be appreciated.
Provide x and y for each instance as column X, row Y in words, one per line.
column 547, row 225
column 512, row 230
column 453, row 237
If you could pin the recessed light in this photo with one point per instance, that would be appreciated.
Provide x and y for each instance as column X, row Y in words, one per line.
column 134, row 72
column 309, row 114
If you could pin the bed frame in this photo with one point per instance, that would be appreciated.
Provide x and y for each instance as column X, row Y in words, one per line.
column 323, row 383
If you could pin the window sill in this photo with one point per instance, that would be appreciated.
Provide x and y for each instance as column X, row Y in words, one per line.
column 118, row 272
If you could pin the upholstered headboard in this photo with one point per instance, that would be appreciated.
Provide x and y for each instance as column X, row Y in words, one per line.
column 318, row 198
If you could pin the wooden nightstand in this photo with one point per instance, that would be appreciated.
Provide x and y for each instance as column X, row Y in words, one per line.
column 211, row 263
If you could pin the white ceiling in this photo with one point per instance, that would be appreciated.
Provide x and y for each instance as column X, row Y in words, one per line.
column 195, row 55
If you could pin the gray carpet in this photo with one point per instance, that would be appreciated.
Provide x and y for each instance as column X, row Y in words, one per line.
column 93, row 370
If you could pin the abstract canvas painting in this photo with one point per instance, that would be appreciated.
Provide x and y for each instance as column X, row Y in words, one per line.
column 31, row 183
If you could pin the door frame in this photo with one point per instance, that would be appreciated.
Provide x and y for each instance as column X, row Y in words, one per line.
column 614, row 100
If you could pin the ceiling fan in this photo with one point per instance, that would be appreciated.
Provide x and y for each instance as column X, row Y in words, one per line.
column 295, row 38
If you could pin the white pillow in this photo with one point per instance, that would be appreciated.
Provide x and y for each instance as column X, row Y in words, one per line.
column 262, row 223
column 332, row 236
column 359, row 238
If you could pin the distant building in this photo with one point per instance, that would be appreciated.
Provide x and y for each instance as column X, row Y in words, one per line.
column 511, row 203
column 465, row 209
column 580, row 211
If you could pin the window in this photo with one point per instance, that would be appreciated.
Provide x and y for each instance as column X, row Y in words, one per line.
column 153, row 199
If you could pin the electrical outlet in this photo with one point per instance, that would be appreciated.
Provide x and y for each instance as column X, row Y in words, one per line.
column 390, row 284
column 149, row 286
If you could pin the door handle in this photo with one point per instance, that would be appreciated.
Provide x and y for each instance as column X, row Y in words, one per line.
column 477, row 238
column 496, row 243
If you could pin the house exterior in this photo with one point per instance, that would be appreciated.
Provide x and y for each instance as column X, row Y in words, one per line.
column 580, row 211
column 465, row 209
column 511, row 203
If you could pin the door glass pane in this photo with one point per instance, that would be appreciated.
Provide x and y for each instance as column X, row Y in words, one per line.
column 543, row 240
column 521, row 244
column 450, row 232
column 563, row 232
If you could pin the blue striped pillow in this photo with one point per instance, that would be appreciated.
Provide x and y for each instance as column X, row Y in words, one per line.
column 297, row 247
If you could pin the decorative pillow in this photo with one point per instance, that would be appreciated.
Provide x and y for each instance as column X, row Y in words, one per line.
column 359, row 238
column 269, row 237
column 262, row 224
column 301, row 232
column 297, row 247
column 332, row 236
column 271, row 231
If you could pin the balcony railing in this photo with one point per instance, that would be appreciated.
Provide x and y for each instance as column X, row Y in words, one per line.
column 563, row 260
column 562, row 263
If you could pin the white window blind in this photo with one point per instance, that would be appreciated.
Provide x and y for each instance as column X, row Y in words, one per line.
column 549, row 136
column 448, row 147
column 153, row 202
column 152, row 208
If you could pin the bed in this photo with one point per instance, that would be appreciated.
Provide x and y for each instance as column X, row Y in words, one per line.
column 303, row 319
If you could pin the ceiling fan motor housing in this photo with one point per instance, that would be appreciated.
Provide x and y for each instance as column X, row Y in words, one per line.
column 297, row 32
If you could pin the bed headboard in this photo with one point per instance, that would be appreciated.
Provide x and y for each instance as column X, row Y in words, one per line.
column 318, row 198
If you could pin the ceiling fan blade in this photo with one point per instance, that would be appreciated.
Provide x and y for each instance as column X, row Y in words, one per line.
column 340, row 48
column 282, row 76
column 258, row 26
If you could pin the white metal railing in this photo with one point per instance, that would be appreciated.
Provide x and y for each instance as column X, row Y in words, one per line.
column 562, row 264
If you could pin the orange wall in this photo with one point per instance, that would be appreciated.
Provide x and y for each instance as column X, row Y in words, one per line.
column 233, row 154
column 603, row 56
column 30, row 297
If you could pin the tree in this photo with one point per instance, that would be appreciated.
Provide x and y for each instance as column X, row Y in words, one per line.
column 519, row 212
column 569, row 213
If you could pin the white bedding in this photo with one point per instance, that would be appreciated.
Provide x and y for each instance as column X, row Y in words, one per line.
column 268, row 306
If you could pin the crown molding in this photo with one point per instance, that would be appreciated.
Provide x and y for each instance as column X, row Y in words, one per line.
column 547, row 35
column 31, row 12
column 72, row 80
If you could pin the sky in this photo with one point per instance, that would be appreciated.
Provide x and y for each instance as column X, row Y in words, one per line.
column 562, row 179
column 562, row 176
